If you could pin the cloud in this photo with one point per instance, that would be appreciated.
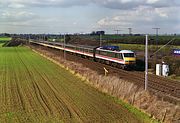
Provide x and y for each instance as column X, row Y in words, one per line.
column 42, row 3
column 119, row 4
column 162, row 13
column 112, row 4
column 16, row 5
column 152, row 1
column 106, row 13
column 114, row 21
column 143, row 17
column 13, row 17
column 131, row 4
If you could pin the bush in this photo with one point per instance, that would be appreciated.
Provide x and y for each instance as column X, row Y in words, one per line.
column 15, row 42
column 141, row 40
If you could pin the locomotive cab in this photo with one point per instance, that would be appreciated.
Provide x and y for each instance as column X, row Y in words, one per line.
column 129, row 58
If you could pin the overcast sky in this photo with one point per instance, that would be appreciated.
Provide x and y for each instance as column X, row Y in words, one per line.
column 77, row 16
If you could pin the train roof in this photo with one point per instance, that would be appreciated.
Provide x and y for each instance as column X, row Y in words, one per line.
column 126, row 51
column 90, row 47
column 120, row 51
column 73, row 45
column 113, row 48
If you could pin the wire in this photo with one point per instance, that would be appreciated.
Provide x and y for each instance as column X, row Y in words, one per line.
column 162, row 47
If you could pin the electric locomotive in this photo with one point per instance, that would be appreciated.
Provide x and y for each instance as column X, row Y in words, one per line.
column 120, row 58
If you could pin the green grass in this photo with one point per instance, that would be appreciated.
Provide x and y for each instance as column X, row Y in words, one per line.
column 4, row 39
column 173, row 77
column 33, row 89
column 137, row 112
column 1, row 44
column 178, row 78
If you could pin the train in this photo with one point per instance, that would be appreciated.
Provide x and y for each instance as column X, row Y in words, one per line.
column 124, row 59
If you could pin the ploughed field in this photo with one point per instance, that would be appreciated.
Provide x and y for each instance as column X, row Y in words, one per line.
column 33, row 89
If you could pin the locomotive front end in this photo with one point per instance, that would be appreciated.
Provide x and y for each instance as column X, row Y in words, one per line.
column 129, row 58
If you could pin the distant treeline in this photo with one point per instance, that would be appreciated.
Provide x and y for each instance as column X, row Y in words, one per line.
column 134, row 39
column 107, row 38
column 141, row 40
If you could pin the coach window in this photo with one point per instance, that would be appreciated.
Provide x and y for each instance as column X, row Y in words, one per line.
column 116, row 55
column 97, row 52
column 85, row 50
column 103, row 53
column 91, row 51
column 120, row 56
column 111, row 54
column 73, row 47
column 68, row 46
column 80, row 49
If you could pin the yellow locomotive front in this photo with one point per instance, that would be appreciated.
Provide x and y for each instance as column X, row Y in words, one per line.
column 129, row 58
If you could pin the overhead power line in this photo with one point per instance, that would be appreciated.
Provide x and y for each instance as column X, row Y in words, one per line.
column 117, row 31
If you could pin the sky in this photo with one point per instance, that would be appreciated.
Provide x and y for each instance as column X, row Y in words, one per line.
column 85, row 16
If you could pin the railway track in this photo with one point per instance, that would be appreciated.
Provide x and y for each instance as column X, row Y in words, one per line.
column 168, row 88
column 160, row 84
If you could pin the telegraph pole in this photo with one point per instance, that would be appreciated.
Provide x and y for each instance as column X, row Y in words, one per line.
column 59, row 36
column 130, row 31
column 146, row 64
column 156, row 29
column 44, row 35
column 29, row 38
column 64, row 46
column 39, row 37
column 100, row 39
column 117, row 31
